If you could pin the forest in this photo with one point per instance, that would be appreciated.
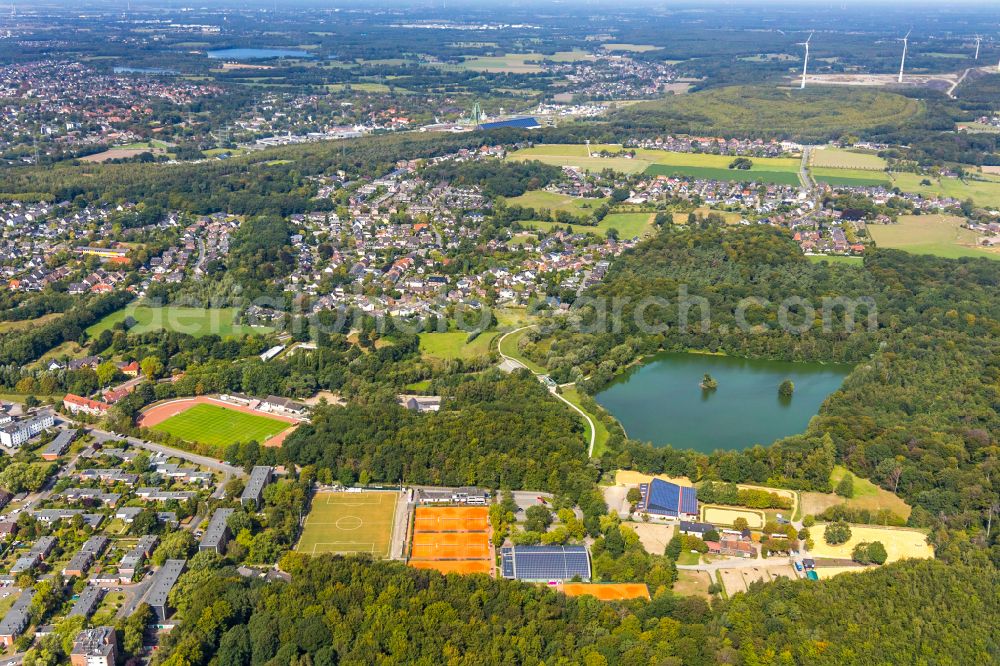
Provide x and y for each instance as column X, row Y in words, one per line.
column 918, row 415
column 354, row 611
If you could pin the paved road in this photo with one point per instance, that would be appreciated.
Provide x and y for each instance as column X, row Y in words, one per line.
column 804, row 178
column 739, row 563
column 205, row 461
column 133, row 596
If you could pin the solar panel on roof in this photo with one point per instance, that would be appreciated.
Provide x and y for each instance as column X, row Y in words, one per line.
column 545, row 562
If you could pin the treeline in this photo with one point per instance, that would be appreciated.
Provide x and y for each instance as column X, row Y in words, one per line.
column 354, row 611
column 729, row 493
column 495, row 177
column 494, row 430
column 23, row 346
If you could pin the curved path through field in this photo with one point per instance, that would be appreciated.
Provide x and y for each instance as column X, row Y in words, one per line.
column 160, row 412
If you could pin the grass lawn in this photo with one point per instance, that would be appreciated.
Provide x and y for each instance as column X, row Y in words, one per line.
column 940, row 235
column 452, row 345
column 601, row 434
column 838, row 158
column 850, row 177
column 629, row 225
column 193, row 321
column 217, row 426
column 689, row 558
column 539, row 199
column 508, row 346
column 422, row 386
column 21, row 325
column 983, row 192
column 348, row 523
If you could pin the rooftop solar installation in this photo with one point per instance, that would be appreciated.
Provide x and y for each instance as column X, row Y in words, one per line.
column 545, row 562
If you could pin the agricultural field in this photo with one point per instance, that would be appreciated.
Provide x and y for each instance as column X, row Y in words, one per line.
column 220, row 426
column 452, row 345
column 838, row 158
column 899, row 542
column 193, row 321
column 940, row 235
column 539, row 199
column 985, row 192
column 814, row 114
column 662, row 162
column 866, row 496
column 349, row 523
column 632, row 48
column 850, row 177
column 726, row 515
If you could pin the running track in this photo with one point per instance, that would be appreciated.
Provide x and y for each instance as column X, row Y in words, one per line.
column 159, row 413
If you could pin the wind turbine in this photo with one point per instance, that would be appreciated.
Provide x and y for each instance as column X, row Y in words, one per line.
column 805, row 63
column 978, row 40
column 902, row 62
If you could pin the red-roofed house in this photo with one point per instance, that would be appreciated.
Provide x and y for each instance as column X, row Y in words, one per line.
column 77, row 404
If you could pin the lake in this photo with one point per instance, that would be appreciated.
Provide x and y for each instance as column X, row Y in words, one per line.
column 661, row 401
column 257, row 54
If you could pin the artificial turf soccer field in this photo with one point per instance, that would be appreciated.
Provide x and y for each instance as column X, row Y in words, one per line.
column 346, row 523
column 218, row 426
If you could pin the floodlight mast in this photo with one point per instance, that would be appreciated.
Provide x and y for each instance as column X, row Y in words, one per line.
column 902, row 61
column 805, row 63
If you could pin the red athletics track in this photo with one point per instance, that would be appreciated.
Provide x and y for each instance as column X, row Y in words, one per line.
column 157, row 414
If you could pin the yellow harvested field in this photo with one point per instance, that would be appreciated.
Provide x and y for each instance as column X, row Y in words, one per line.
column 899, row 543
column 719, row 515
column 627, row 477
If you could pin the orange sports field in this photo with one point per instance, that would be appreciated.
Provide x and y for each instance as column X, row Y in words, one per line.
column 607, row 591
column 451, row 539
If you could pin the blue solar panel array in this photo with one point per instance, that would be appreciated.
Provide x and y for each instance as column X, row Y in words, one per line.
column 668, row 499
column 519, row 123
column 545, row 562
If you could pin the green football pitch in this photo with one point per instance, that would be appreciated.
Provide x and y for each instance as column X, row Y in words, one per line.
column 348, row 523
column 218, row 426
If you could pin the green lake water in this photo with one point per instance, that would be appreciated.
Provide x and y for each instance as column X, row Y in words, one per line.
column 661, row 401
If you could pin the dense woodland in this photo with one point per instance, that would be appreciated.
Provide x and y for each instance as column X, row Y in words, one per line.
column 919, row 413
column 354, row 611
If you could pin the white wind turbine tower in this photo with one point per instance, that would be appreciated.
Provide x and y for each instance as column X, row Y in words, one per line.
column 978, row 40
column 902, row 62
column 805, row 63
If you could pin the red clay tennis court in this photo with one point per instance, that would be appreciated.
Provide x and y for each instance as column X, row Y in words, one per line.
column 607, row 591
column 450, row 546
column 451, row 539
column 456, row 566
column 451, row 519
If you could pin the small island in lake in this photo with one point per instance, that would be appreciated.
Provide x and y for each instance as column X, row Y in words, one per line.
column 786, row 388
column 708, row 383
